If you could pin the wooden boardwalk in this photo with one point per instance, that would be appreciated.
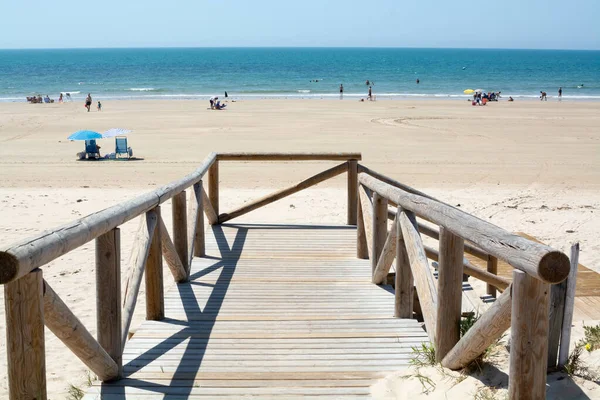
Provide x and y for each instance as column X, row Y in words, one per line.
column 273, row 311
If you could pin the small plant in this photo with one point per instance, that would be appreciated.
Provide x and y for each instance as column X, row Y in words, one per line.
column 486, row 393
column 576, row 367
column 592, row 337
column 467, row 322
column 75, row 393
column 423, row 356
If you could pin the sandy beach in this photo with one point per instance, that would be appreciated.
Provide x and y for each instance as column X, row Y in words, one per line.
column 524, row 166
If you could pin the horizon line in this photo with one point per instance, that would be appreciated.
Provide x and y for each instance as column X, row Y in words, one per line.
column 293, row 47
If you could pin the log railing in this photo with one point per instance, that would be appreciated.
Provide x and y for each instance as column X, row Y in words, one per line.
column 31, row 303
column 522, row 306
column 373, row 199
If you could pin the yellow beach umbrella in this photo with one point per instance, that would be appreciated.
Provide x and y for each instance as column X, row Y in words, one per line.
column 469, row 91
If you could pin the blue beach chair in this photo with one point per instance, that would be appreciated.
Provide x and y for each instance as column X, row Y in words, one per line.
column 121, row 147
column 91, row 149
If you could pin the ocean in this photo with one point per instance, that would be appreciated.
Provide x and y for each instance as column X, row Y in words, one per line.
column 258, row 73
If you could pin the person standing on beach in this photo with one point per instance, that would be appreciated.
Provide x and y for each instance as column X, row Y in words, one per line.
column 88, row 102
column 560, row 93
column 370, row 96
column 341, row 91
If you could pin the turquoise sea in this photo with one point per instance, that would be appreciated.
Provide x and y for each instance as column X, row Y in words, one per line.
column 194, row 73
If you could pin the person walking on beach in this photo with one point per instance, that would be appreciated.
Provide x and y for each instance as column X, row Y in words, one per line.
column 370, row 96
column 560, row 93
column 341, row 91
column 88, row 102
column 99, row 106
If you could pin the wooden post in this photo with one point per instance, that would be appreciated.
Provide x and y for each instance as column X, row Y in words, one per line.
column 108, row 294
column 380, row 206
column 529, row 337
column 352, row 191
column 492, row 267
column 404, row 290
column 565, row 335
column 155, row 306
column 449, row 292
column 197, row 239
column 556, row 314
column 362, row 250
column 180, row 230
column 25, row 345
column 213, row 187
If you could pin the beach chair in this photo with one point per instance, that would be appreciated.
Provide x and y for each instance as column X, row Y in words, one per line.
column 121, row 147
column 91, row 149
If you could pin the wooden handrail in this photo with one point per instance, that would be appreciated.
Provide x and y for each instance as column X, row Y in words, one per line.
column 288, row 156
column 22, row 257
column 280, row 194
column 538, row 260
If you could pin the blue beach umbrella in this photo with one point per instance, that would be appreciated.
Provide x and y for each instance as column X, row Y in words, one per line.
column 85, row 135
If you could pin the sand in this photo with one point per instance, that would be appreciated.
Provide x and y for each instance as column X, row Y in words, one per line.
column 525, row 166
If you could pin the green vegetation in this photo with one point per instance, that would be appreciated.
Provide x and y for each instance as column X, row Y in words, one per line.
column 75, row 393
column 423, row 356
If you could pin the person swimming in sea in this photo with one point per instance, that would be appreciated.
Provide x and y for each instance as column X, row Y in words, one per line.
column 418, row 81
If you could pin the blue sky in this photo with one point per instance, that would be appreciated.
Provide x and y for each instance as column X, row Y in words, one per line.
column 544, row 24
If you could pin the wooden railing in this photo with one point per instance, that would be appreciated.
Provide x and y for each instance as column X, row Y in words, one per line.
column 522, row 306
column 31, row 303
column 373, row 199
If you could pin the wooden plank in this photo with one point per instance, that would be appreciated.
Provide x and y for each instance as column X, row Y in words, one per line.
column 288, row 156
column 536, row 259
column 449, row 293
column 108, row 294
column 565, row 337
column 25, row 346
column 352, row 192
column 196, row 240
column 280, row 194
column 366, row 207
column 469, row 269
column 379, row 233
column 387, row 255
column 488, row 328
column 213, row 187
column 529, row 337
column 492, row 268
column 558, row 293
column 67, row 327
column 137, row 265
column 170, row 253
column 180, row 229
column 404, row 293
column 209, row 211
column 155, row 309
